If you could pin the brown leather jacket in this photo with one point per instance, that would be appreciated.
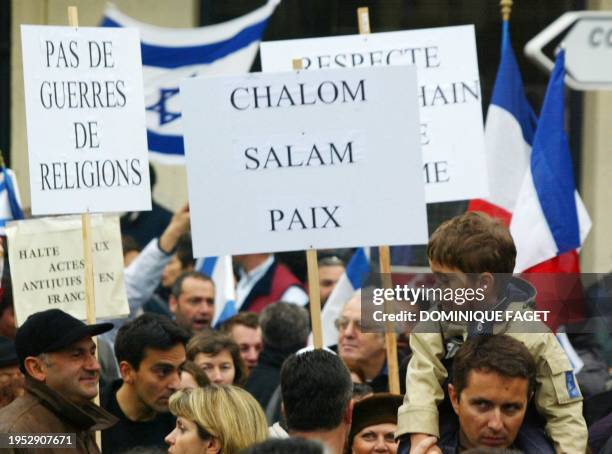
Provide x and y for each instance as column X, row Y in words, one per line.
column 42, row 410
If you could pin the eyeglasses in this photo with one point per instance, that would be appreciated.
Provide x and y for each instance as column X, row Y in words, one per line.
column 342, row 323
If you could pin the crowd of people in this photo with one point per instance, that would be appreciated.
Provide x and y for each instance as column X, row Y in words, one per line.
column 168, row 380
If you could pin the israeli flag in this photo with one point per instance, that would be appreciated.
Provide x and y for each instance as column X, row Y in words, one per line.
column 169, row 55
column 354, row 276
column 221, row 271
column 10, row 204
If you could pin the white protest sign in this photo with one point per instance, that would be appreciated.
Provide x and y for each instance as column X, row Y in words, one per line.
column 451, row 134
column 85, row 120
column 291, row 161
column 47, row 266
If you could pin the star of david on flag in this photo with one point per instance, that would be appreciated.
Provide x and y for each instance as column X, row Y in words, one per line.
column 169, row 55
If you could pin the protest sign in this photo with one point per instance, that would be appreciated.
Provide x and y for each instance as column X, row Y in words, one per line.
column 451, row 128
column 300, row 160
column 85, row 120
column 47, row 266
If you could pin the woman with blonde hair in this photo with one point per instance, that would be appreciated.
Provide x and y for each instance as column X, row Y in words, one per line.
column 217, row 419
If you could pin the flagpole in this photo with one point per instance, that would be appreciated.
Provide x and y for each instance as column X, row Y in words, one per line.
column 363, row 24
column 506, row 9
column 314, row 293
column 90, row 304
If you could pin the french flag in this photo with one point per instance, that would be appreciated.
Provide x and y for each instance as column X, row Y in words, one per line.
column 220, row 270
column 353, row 278
column 171, row 54
column 531, row 177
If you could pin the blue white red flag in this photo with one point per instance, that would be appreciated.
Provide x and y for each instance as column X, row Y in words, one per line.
column 552, row 219
column 220, row 269
column 532, row 183
column 169, row 55
column 355, row 274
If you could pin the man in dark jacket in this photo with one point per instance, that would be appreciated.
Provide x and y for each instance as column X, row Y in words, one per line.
column 150, row 350
column 58, row 357
column 285, row 330
column 493, row 380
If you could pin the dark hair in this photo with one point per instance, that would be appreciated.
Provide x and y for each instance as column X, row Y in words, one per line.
column 129, row 244
column 177, row 288
column 361, row 390
column 473, row 243
column 316, row 389
column 284, row 326
column 331, row 260
column 152, row 176
column 212, row 343
column 500, row 353
column 285, row 446
column 196, row 372
column 147, row 331
column 6, row 291
column 184, row 250
column 248, row 319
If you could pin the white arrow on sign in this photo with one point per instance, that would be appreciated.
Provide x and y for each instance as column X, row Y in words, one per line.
column 588, row 48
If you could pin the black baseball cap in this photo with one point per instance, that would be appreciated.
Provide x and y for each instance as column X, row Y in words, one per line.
column 52, row 330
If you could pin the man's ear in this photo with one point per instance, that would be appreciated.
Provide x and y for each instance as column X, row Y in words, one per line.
column 127, row 372
column 213, row 446
column 173, row 303
column 486, row 281
column 454, row 397
column 36, row 368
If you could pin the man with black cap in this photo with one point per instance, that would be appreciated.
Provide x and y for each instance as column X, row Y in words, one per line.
column 58, row 357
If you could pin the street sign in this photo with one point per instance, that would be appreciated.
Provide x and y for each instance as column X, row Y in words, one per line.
column 588, row 48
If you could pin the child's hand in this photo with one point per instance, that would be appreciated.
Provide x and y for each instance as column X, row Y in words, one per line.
column 426, row 446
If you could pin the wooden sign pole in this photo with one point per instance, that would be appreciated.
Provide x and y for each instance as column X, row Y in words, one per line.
column 363, row 23
column 390, row 336
column 312, row 265
column 363, row 20
column 73, row 21
column 90, row 302
column 315, row 297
